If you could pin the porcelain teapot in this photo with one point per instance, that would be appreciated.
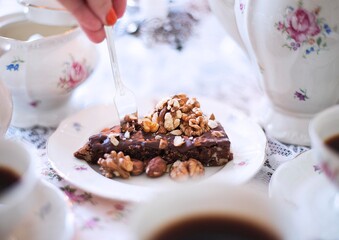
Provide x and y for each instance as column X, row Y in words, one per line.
column 294, row 45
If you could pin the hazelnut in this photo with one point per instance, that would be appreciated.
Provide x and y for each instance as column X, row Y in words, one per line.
column 138, row 167
column 156, row 167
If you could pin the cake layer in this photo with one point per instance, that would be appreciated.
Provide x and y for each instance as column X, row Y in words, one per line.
column 212, row 148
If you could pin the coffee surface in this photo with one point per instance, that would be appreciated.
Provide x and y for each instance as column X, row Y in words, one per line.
column 7, row 178
column 215, row 228
column 333, row 143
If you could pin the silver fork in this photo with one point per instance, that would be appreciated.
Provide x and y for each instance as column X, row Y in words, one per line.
column 124, row 99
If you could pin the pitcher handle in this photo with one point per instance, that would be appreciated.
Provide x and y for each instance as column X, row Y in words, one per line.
column 224, row 11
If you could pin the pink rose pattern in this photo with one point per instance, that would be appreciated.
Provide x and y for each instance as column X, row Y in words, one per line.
column 304, row 30
column 74, row 73
column 242, row 7
column 73, row 195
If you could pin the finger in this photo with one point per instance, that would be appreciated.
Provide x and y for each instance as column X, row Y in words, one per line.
column 119, row 7
column 95, row 36
column 86, row 18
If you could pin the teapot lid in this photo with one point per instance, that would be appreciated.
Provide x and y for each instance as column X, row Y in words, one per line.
column 48, row 12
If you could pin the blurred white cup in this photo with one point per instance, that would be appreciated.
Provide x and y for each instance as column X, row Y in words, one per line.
column 17, row 199
column 212, row 199
column 6, row 108
column 324, row 126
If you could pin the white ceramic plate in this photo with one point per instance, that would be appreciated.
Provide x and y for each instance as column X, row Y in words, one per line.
column 248, row 143
column 50, row 217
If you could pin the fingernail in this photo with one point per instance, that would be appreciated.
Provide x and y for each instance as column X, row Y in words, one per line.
column 111, row 17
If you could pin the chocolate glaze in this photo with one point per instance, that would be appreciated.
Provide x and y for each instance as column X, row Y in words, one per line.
column 207, row 148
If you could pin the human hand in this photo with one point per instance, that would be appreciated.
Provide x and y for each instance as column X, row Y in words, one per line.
column 92, row 15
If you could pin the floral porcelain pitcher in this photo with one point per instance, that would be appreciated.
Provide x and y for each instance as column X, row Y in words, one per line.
column 295, row 46
column 42, row 65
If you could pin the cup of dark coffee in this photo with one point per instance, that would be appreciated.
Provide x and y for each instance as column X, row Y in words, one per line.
column 211, row 211
column 324, row 133
column 17, row 183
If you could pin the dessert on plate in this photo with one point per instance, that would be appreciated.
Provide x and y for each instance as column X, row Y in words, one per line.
column 176, row 137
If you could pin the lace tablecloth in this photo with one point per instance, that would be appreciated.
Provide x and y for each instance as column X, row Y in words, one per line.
column 160, row 60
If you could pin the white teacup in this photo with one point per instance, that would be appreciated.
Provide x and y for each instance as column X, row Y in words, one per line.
column 211, row 201
column 6, row 109
column 17, row 198
column 323, row 127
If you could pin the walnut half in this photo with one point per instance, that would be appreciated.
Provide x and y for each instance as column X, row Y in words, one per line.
column 116, row 164
column 182, row 171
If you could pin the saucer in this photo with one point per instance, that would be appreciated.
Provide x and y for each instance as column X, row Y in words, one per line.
column 290, row 176
column 50, row 218
column 318, row 217
column 47, row 117
column 301, row 186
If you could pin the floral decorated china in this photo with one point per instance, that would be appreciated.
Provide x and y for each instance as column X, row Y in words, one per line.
column 49, row 12
column 42, row 65
column 18, row 179
column 323, row 127
column 6, row 108
column 50, row 216
column 293, row 45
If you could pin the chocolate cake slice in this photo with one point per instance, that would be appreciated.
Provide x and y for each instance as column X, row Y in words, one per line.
column 212, row 148
column 175, row 130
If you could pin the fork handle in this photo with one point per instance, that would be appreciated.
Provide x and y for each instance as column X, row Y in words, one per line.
column 113, row 57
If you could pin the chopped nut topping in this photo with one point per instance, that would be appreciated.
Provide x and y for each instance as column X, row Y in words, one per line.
column 163, row 143
column 178, row 113
column 178, row 141
column 212, row 124
column 157, row 137
column 149, row 126
column 127, row 134
column 176, row 132
column 129, row 123
column 113, row 140
column 217, row 134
